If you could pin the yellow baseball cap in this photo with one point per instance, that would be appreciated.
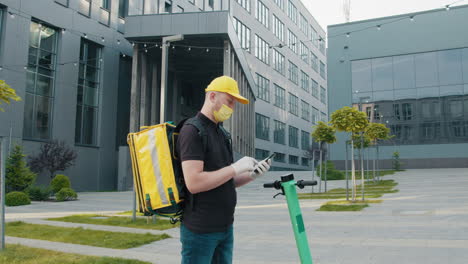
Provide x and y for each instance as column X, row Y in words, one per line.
column 227, row 85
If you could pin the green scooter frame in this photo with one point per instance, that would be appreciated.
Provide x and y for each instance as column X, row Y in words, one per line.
column 288, row 188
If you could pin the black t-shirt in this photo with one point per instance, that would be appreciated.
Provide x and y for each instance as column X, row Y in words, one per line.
column 213, row 210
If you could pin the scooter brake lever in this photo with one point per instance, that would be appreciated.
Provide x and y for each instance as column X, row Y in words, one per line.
column 278, row 194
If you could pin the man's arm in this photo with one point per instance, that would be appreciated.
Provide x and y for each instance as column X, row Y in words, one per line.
column 198, row 180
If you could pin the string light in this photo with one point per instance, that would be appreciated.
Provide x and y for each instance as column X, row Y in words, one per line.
column 189, row 48
column 133, row 44
column 103, row 39
column 118, row 42
column 12, row 15
column 348, row 34
column 85, row 36
column 207, row 50
column 64, row 31
column 412, row 18
column 447, row 7
column 379, row 27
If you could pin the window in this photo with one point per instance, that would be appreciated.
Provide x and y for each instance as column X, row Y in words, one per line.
column 314, row 36
column 88, row 94
column 261, row 154
column 323, row 95
column 293, row 160
column 305, row 110
column 322, row 45
column 262, row 14
column 278, row 62
column 322, row 70
column 292, row 41
column 245, row 4
column 314, row 61
column 262, row 127
column 262, row 50
column 304, row 25
column 407, row 110
column 315, row 115
column 85, row 7
column 104, row 4
column 280, row 100
column 278, row 28
column 135, row 7
column 315, row 89
column 243, row 33
column 40, row 78
column 305, row 140
column 396, row 111
column 293, row 74
column 368, row 112
column 293, row 135
column 279, row 134
column 167, row 7
column 263, row 87
column 280, row 4
column 293, row 104
column 456, row 108
column 304, row 52
column 279, row 157
column 376, row 112
column 123, row 7
column 305, row 81
column 305, row 162
column 292, row 12
column 323, row 117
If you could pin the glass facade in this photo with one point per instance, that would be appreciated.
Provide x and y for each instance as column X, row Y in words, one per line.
column 262, row 127
column 40, row 76
column 422, row 98
column 243, row 33
column 89, row 78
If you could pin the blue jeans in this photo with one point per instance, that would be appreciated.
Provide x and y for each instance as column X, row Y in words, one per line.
column 208, row 248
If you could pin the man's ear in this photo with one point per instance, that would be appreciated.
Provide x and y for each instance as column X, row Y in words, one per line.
column 212, row 97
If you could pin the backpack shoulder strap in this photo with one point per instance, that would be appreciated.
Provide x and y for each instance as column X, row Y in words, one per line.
column 196, row 122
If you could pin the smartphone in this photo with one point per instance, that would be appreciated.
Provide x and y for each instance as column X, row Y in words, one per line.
column 268, row 158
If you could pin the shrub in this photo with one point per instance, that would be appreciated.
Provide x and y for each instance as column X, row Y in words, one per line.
column 16, row 198
column 60, row 181
column 18, row 175
column 332, row 173
column 53, row 156
column 66, row 194
column 396, row 163
column 39, row 193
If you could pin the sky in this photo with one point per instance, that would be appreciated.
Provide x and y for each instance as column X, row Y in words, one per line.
column 330, row 12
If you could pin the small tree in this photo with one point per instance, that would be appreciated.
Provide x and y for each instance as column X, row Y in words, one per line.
column 323, row 133
column 375, row 132
column 7, row 94
column 53, row 156
column 18, row 175
column 396, row 161
column 348, row 119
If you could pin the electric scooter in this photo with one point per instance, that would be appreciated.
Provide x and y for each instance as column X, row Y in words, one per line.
column 288, row 188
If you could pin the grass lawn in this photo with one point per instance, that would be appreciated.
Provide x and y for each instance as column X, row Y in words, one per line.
column 17, row 254
column 346, row 206
column 80, row 235
column 371, row 190
column 124, row 221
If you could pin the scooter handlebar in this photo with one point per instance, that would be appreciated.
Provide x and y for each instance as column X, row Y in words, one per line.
column 301, row 183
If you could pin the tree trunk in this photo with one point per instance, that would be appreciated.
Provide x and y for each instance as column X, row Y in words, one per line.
column 346, row 172
column 353, row 172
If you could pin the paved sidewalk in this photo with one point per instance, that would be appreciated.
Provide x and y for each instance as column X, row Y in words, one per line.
column 426, row 222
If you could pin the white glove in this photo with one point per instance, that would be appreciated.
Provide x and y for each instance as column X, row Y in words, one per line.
column 262, row 167
column 243, row 165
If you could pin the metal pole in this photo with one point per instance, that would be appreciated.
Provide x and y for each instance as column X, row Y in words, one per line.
column 313, row 165
column 346, row 172
column 326, row 165
column 361, row 151
column 164, row 70
column 2, row 194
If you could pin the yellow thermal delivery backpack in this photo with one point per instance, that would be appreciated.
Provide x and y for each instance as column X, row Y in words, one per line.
column 157, row 174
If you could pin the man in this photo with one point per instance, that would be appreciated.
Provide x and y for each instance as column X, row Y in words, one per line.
column 211, row 177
